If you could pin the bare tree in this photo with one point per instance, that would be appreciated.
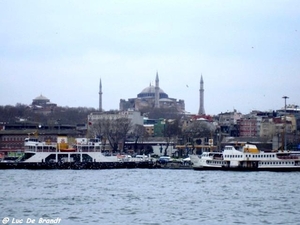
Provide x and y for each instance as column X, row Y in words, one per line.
column 171, row 131
column 138, row 133
column 198, row 129
column 115, row 131
column 124, row 125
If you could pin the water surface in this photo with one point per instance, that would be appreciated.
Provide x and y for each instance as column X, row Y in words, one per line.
column 150, row 196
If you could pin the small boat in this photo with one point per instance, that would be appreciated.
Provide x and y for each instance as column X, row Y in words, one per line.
column 247, row 158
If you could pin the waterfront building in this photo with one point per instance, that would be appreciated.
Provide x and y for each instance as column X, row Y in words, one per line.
column 228, row 123
column 135, row 117
column 248, row 127
column 267, row 128
column 12, row 136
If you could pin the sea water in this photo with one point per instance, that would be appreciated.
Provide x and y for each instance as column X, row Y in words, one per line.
column 148, row 196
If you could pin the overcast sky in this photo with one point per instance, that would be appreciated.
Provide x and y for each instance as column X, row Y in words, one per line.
column 248, row 52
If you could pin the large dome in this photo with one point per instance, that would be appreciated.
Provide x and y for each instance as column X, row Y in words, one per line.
column 149, row 92
column 41, row 97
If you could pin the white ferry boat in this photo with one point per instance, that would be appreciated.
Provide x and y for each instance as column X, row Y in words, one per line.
column 247, row 158
column 84, row 154
column 84, row 150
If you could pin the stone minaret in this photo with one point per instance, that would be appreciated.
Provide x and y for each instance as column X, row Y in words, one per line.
column 100, row 96
column 201, row 108
column 156, row 103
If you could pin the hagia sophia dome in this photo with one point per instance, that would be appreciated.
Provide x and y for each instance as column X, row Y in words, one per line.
column 149, row 92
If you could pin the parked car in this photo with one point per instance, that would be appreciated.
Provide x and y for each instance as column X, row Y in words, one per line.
column 164, row 159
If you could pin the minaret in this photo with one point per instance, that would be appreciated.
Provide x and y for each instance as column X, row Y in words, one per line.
column 201, row 109
column 100, row 96
column 156, row 103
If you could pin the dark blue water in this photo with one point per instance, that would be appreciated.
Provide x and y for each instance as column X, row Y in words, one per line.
column 142, row 196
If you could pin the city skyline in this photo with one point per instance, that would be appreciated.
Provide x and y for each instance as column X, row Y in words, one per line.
column 248, row 52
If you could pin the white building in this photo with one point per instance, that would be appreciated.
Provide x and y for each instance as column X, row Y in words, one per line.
column 135, row 116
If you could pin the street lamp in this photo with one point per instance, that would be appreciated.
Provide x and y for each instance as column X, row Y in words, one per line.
column 285, row 97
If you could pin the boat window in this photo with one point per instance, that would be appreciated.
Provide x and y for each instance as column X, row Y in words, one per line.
column 86, row 158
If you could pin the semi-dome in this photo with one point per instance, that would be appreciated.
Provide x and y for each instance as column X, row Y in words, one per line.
column 149, row 92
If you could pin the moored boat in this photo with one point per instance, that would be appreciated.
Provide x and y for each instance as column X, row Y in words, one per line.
column 84, row 154
column 247, row 158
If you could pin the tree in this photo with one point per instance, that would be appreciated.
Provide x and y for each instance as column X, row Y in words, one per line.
column 115, row 131
column 138, row 133
column 124, row 125
column 171, row 130
column 65, row 115
column 198, row 129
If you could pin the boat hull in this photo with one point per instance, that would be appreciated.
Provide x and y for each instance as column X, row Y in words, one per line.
column 76, row 165
column 275, row 169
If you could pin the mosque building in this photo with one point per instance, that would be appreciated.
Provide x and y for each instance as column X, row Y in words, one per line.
column 152, row 97
column 41, row 104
